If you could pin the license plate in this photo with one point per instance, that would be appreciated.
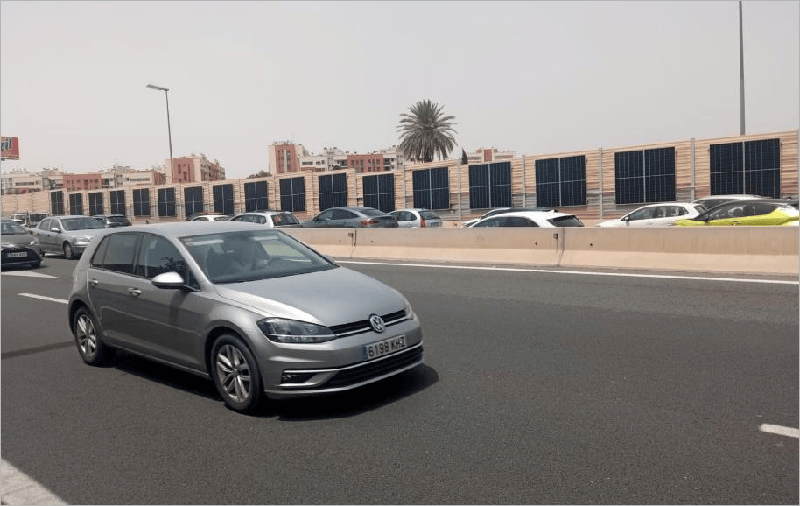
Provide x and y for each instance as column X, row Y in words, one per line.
column 18, row 255
column 384, row 347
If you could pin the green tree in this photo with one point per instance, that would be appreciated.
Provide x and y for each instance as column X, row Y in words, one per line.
column 426, row 132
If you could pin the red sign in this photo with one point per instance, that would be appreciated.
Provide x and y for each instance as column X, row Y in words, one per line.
column 10, row 148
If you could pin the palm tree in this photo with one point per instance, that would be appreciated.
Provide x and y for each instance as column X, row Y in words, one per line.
column 425, row 132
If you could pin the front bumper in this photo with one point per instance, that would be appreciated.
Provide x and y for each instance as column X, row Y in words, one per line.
column 31, row 258
column 338, row 365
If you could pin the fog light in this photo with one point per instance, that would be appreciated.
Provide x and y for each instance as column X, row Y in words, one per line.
column 296, row 377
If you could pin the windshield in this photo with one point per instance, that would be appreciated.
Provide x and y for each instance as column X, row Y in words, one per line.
column 12, row 228
column 239, row 256
column 80, row 223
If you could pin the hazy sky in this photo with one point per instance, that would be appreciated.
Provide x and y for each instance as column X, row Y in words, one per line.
column 528, row 77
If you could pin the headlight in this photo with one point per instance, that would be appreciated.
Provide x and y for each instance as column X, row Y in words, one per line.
column 34, row 242
column 291, row 331
column 83, row 238
column 409, row 311
column 7, row 246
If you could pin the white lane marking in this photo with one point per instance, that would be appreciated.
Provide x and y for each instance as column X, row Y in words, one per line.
column 28, row 274
column 19, row 488
column 780, row 430
column 586, row 273
column 34, row 296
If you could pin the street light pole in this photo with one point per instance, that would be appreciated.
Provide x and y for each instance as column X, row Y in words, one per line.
column 741, row 74
column 169, row 128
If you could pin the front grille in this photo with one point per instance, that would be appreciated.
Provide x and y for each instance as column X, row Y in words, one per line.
column 374, row 369
column 360, row 326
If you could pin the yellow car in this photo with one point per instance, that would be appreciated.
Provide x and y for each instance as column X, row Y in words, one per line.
column 746, row 213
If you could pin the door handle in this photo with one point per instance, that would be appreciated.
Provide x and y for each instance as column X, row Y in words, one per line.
column 134, row 292
column 93, row 283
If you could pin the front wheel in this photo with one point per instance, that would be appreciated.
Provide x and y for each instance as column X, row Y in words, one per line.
column 236, row 374
column 69, row 253
column 88, row 339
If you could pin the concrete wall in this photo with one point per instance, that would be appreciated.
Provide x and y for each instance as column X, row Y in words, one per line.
column 764, row 250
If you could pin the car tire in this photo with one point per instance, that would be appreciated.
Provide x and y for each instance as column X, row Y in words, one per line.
column 36, row 265
column 88, row 338
column 69, row 253
column 236, row 374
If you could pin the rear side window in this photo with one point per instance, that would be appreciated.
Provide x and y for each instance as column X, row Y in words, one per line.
column 120, row 252
column 566, row 221
column 284, row 219
column 429, row 215
column 372, row 212
column 518, row 221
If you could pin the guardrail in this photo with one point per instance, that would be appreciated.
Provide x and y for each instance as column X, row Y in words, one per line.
column 766, row 250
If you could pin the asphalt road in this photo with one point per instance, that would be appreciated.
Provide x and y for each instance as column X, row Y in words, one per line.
column 538, row 387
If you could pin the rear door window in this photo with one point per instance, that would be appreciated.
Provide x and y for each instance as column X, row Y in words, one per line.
column 120, row 253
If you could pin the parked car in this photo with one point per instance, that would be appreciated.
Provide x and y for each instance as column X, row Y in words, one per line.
column 351, row 217
column 69, row 235
column 35, row 218
column 655, row 215
column 504, row 210
column 748, row 212
column 112, row 220
column 542, row 219
column 271, row 219
column 253, row 309
column 210, row 217
column 19, row 248
column 416, row 218
column 715, row 200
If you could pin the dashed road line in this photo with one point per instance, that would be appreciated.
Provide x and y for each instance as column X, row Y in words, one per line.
column 19, row 488
column 780, row 430
column 29, row 274
column 42, row 297
column 585, row 273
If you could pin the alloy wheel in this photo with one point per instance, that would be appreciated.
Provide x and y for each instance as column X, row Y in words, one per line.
column 86, row 336
column 233, row 373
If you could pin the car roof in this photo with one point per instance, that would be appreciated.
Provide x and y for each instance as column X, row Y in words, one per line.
column 266, row 213
column 531, row 214
column 182, row 228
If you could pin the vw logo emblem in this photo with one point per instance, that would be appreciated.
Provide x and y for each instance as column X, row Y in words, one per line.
column 377, row 323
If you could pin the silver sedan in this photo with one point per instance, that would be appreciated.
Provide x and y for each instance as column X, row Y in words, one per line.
column 254, row 309
column 68, row 235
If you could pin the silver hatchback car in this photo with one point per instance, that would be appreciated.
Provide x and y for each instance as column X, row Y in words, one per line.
column 254, row 309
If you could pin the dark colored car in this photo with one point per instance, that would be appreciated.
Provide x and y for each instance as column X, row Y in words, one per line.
column 112, row 220
column 19, row 248
column 351, row 217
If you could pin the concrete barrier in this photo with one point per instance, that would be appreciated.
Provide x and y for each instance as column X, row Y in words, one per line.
column 724, row 249
column 769, row 250
column 487, row 245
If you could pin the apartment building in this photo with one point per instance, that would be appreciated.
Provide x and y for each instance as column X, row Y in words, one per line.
column 24, row 181
column 489, row 155
column 193, row 169
column 285, row 157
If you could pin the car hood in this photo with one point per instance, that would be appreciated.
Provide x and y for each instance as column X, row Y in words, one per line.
column 17, row 239
column 88, row 232
column 332, row 297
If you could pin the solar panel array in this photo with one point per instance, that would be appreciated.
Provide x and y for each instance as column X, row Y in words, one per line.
column 644, row 176
column 561, row 181
column 192, row 197
column 255, row 196
column 293, row 194
column 379, row 192
column 75, row 203
column 95, row 203
column 431, row 188
column 166, row 202
column 332, row 191
column 223, row 199
column 490, row 185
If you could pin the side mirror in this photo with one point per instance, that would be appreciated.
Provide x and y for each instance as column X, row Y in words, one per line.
column 170, row 281
column 56, row 230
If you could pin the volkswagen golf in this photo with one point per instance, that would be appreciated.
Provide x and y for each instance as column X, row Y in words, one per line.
column 255, row 310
